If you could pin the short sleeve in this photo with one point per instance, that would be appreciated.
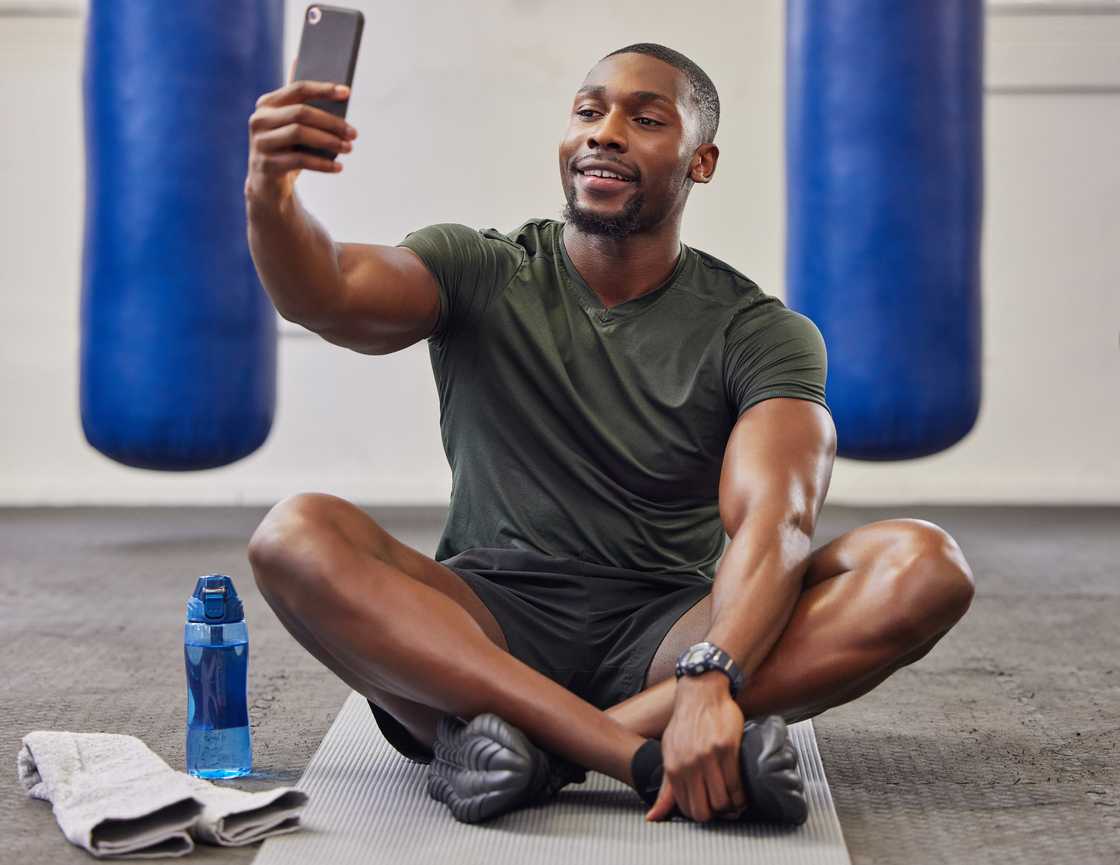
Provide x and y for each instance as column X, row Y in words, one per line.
column 470, row 266
column 773, row 351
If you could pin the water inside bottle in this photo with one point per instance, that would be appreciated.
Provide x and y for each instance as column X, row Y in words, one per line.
column 218, row 742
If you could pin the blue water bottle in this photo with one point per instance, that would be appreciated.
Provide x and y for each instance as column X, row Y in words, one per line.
column 216, row 649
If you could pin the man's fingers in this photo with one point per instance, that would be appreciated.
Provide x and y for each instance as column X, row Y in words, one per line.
column 698, row 808
column 281, row 163
column 309, row 116
column 733, row 777
column 719, row 796
column 664, row 802
column 288, row 136
column 301, row 91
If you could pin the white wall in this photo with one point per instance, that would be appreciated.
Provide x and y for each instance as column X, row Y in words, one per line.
column 466, row 130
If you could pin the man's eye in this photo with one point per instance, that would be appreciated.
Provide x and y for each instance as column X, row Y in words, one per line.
column 583, row 111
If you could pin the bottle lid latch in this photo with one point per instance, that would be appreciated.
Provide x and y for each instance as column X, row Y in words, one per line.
column 214, row 602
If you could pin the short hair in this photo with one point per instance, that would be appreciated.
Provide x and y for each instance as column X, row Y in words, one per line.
column 704, row 95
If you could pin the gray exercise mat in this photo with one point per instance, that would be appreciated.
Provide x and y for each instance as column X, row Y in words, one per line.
column 368, row 804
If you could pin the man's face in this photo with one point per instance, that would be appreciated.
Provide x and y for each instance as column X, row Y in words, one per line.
column 646, row 139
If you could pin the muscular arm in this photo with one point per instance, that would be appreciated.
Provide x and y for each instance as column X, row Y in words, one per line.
column 372, row 298
column 776, row 471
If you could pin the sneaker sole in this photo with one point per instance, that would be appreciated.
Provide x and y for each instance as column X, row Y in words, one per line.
column 483, row 769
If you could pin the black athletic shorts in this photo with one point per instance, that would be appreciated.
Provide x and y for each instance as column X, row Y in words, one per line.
column 592, row 628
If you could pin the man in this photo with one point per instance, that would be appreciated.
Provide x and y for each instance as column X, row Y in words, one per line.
column 613, row 402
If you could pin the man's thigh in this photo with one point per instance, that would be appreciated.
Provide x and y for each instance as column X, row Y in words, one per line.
column 312, row 530
column 856, row 548
column 345, row 522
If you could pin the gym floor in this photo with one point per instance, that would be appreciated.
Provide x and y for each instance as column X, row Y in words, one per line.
column 999, row 746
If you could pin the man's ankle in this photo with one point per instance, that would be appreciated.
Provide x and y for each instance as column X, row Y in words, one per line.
column 645, row 770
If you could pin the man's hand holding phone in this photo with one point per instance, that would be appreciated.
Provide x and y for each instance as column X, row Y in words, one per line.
column 281, row 122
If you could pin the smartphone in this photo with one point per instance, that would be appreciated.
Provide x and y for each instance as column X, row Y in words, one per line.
column 328, row 51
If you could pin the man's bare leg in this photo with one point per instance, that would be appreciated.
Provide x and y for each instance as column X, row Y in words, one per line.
column 393, row 623
column 874, row 600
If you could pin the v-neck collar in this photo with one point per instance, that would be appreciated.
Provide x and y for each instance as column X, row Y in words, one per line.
column 590, row 301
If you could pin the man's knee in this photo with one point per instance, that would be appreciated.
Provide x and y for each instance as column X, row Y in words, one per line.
column 291, row 543
column 934, row 586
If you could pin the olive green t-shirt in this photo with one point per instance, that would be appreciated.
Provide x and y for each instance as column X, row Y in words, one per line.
column 580, row 431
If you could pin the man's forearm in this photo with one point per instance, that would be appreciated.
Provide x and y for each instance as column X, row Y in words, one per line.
column 757, row 585
column 294, row 256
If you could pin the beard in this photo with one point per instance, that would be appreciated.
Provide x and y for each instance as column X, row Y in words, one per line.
column 616, row 226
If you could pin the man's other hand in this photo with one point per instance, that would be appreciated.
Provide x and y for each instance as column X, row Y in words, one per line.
column 701, row 771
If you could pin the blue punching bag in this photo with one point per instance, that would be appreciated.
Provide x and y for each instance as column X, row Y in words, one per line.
column 178, row 348
column 884, row 185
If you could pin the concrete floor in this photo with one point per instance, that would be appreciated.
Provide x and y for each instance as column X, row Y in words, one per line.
column 999, row 746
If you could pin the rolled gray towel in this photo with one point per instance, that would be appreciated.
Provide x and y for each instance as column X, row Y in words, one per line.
column 115, row 797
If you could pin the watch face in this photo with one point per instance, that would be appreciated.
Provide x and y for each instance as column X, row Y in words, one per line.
column 696, row 656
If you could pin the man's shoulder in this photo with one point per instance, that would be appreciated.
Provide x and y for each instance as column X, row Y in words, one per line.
column 717, row 269
column 534, row 236
column 746, row 309
column 715, row 283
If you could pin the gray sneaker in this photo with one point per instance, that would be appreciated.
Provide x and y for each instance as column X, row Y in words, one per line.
column 489, row 767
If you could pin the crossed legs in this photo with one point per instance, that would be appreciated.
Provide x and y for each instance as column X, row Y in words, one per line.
column 409, row 634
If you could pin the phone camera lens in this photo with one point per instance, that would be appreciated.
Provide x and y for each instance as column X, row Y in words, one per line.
column 314, row 15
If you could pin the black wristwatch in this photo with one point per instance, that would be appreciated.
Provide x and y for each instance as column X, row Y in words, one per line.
column 701, row 657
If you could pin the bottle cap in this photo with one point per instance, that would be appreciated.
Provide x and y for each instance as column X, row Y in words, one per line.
column 214, row 601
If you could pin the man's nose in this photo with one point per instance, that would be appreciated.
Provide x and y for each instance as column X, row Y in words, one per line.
column 611, row 129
